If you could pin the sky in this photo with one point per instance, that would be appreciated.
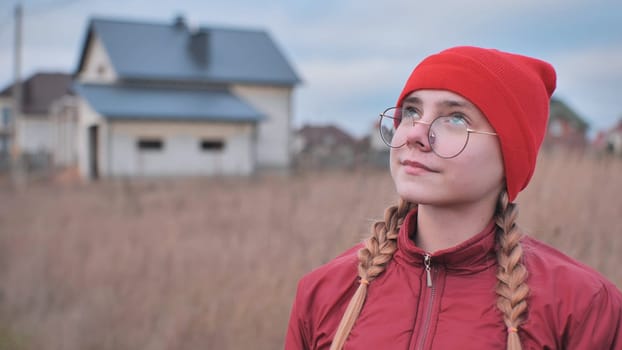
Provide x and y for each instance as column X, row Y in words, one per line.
column 354, row 56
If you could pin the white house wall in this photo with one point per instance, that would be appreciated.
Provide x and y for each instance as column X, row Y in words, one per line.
column 88, row 118
column 33, row 130
column 181, row 154
column 64, row 118
column 5, row 144
column 615, row 142
column 35, row 134
column 65, row 139
column 273, row 134
column 375, row 141
column 97, row 67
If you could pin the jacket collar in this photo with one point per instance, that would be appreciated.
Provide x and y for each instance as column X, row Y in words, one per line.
column 474, row 254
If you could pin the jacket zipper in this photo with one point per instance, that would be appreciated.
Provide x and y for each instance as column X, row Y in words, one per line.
column 427, row 261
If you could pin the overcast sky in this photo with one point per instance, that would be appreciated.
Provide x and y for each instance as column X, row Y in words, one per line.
column 354, row 56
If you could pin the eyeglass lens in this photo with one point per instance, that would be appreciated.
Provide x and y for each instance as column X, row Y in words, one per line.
column 447, row 135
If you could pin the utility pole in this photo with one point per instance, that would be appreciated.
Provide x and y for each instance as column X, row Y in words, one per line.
column 17, row 170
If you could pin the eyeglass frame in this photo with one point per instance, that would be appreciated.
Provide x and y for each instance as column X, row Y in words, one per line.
column 429, row 124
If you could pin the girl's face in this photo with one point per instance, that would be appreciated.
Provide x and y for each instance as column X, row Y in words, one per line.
column 422, row 177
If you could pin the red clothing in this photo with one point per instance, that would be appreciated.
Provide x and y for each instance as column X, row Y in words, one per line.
column 570, row 306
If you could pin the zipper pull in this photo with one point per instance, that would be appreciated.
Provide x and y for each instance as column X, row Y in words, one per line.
column 427, row 263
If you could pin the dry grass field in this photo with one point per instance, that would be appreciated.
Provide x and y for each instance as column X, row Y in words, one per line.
column 213, row 263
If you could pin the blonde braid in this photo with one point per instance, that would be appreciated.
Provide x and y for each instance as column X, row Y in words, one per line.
column 373, row 259
column 512, row 289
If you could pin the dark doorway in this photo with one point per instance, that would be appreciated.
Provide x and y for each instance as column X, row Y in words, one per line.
column 93, row 151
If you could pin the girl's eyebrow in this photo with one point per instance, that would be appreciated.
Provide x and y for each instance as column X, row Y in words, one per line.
column 414, row 100
column 445, row 103
column 453, row 103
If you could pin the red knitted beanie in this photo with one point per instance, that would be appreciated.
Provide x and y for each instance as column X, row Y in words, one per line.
column 512, row 91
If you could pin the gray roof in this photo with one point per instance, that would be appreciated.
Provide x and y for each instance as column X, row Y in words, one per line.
column 155, row 103
column 40, row 90
column 558, row 109
column 174, row 52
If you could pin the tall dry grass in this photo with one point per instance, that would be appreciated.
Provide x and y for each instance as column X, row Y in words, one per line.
column 213, row 263
column 574, row 203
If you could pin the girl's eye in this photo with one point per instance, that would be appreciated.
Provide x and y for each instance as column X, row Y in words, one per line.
column 410, row 112
column 457, row 118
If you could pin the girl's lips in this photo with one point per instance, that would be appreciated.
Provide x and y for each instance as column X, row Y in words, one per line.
column 412, row 166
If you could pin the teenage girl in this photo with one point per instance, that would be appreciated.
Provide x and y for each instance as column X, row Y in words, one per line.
column 447, row 267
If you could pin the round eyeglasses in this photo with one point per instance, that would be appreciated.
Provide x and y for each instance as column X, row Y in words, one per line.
column 447, row 135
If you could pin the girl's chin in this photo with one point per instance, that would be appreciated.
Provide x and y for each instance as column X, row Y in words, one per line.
column 420, row 194
column 415, row 196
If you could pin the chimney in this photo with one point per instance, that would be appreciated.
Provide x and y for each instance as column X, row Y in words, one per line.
column 199, row 46
column 179, row 22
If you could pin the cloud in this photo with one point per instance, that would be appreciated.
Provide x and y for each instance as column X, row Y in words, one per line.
column 594, row 64
column 349, row 92
column 591, row 81
column 354, row 56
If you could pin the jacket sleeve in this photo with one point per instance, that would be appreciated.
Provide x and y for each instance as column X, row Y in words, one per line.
column 601, row 325
column 296, row 338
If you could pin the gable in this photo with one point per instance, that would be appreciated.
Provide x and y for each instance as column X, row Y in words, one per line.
column 96, row 65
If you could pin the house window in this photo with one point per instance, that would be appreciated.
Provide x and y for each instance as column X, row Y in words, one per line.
column 212, row 145
column 101, row 70
column 6, row 116
column 556, row 128
column 4, row 147
column 150, row 144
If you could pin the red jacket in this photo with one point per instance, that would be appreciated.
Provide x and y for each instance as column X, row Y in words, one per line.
column 570, row 306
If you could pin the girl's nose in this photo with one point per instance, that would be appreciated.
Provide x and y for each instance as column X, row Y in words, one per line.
column 417, row 136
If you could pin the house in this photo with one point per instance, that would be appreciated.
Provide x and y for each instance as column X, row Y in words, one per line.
column 326, row 147
column 614, row 139
column 566, row 128
column 610, row 141
column 35, row 128
column 378, row 154
column 162, row 99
